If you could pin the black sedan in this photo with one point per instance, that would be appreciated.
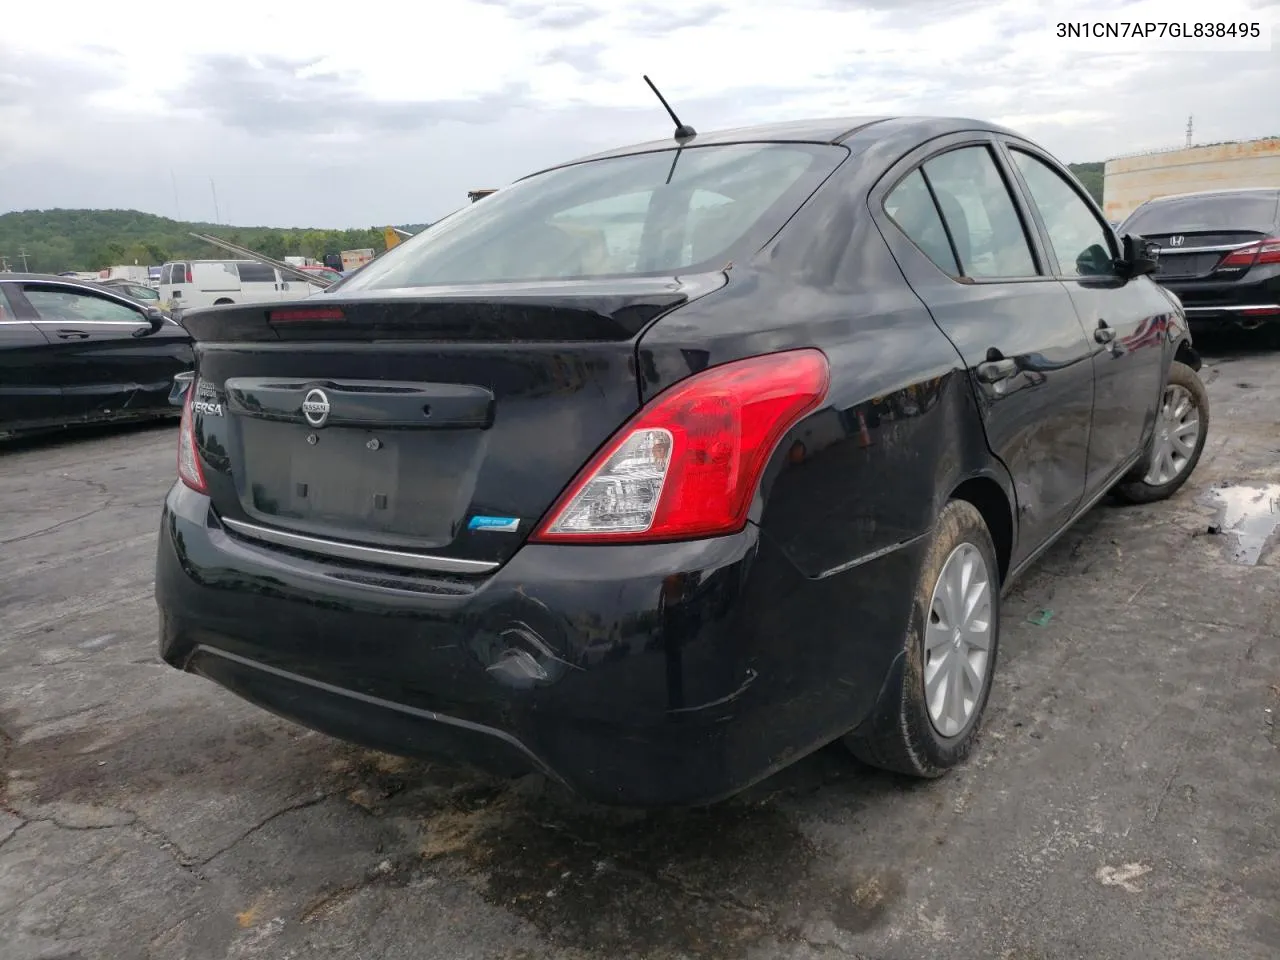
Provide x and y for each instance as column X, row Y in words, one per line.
column 1220, row 253
column 74, row 353
column 661, row 469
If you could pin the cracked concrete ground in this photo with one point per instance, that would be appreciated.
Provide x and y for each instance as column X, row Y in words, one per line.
column 1122, row 802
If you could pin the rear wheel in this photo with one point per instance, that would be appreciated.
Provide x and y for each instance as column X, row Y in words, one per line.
column 927, row 723
column 1182, row 424
column 222, row 301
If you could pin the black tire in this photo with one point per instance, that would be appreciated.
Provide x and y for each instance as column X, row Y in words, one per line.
column 901, row 737
column 1135, row 489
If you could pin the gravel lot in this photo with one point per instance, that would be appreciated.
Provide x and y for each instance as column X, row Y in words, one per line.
column 1122, row 802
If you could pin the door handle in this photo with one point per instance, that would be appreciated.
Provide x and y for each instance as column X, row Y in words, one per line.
column 993, row 371
column 1103, row 334
column 72, row 335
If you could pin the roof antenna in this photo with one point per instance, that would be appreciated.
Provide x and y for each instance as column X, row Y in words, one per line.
column 683, row 131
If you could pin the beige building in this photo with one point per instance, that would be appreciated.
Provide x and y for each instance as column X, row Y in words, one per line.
column 1130, row 181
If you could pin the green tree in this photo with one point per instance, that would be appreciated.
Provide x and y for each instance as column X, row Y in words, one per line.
column 1090, row 176
column 271, row 244
column 107, row 255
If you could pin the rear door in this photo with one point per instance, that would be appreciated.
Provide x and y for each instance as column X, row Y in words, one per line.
column 966, row 246
column 30, row 387
column 94, row 338
column 1126, row 319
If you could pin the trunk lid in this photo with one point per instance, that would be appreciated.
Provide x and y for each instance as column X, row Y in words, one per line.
column 1185, row 256
column 441, row 424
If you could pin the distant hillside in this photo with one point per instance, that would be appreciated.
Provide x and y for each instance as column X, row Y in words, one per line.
column 57, row 240
column 1090, row 175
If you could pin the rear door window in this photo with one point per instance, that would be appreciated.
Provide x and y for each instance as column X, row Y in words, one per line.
column 644, row 214
column 980, row 213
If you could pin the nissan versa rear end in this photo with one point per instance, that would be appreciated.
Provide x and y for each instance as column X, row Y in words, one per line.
column 639, row 472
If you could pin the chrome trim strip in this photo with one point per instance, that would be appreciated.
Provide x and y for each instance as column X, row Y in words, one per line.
column 72, row 324
column 1221, row 248
column 352, row 551
column 1235, row 307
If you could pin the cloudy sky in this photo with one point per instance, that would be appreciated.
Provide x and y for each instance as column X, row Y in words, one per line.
column 345, row 114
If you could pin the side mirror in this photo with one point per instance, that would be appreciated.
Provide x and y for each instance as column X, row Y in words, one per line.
column 1140, row 256
column 155, row 317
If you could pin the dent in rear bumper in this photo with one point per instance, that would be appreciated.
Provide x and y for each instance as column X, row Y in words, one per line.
column 675, row 673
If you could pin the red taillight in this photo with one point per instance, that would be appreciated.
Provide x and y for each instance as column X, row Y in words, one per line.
column 1264, row 251
column 299, row 314
column 189, row 470
column 188, row 273
column 688, row 464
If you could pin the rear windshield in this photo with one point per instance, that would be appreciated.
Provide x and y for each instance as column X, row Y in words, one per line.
column 654, row 213
column 1223, row 213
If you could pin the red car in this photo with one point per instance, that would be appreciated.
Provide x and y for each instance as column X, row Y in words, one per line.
column 327, row 272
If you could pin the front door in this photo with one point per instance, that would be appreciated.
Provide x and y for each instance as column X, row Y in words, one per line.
column 961, row 237
column 95, row 342
column 1126, row 320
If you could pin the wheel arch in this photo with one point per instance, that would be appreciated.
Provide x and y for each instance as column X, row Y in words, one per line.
column 991, row 500
column 1186, row 353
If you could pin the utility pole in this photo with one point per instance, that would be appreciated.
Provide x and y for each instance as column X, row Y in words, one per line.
column 23, row 254
column 1190, row 127
column 217, row 216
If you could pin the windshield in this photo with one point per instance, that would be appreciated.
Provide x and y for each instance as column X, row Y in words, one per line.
column 1221, row 213
column 652, row 213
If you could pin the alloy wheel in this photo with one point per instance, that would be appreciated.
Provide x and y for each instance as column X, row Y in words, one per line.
column 957, row 640
column 1177, row 432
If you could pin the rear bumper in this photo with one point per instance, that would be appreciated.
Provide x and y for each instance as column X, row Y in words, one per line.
column 1207, row 319
column 1216, row 304
column 645, row 675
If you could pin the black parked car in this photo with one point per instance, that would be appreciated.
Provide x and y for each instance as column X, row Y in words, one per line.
column 74, row 353
column 1219, row 252
column 661, row 469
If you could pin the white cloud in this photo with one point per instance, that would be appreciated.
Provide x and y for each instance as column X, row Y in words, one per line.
column 335, row 113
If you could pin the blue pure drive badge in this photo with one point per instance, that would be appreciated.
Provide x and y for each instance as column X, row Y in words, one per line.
column 494, row 524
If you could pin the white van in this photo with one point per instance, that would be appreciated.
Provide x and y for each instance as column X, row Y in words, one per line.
column 206, row 283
